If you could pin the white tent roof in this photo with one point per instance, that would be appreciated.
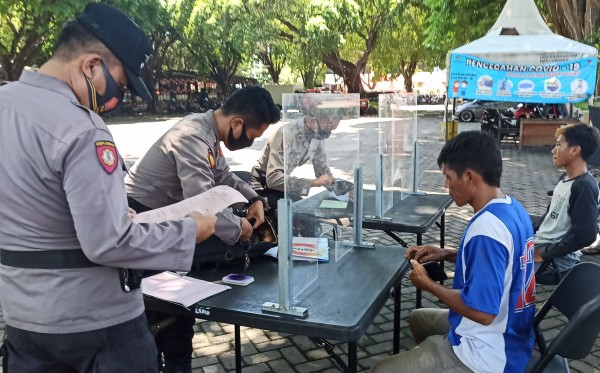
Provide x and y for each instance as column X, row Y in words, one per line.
column 521, row 15
column 534, row 43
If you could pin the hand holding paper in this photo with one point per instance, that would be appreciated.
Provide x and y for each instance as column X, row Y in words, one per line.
column 205, row 225
column 207, row 203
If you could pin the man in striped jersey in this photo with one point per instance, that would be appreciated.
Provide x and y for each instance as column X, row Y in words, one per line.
column 488, row 326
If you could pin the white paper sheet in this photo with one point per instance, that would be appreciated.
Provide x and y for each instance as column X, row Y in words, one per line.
column 207, row 203
column 181, row 290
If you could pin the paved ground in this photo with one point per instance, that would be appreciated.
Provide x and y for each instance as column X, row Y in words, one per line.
column 528, row 174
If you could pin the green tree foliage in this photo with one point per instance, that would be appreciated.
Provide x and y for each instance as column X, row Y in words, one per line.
column 340, row 33
column 401, row 48
column 165, row 22
column 453, row 23
column 28, row 29
column 271, row 50
column 273, row 55
column 219, row 39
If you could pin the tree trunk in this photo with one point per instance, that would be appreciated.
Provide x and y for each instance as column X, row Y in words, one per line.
column 575, row 19
column 150, row 81
column 272, row 67
column 407, row 69
column 274, row 75
column 408, row 83
column 348, row 71
column 308, row 79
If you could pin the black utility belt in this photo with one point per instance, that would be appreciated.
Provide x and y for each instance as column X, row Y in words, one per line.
column 64, row 259
column 47, row 259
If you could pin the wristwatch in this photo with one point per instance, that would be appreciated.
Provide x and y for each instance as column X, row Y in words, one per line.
column 259, row 198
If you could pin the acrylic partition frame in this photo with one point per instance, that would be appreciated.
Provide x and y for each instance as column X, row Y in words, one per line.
column 396, row 166
column 320, row 137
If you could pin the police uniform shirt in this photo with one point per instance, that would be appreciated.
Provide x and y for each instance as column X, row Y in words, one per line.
column 186, row 161
column 62, row 188
column 302, row 149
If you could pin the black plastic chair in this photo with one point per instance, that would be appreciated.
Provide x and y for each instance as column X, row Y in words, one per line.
column 595, row 115
column 548, row 273
column 577, row 297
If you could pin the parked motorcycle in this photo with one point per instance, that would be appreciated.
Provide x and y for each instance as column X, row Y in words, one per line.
column 527, row 111
column 494, row 122
column 176, row 107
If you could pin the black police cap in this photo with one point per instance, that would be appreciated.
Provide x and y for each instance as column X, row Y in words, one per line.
column 125, row 40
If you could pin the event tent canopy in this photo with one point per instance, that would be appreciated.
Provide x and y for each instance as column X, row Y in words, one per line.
column 520, row 59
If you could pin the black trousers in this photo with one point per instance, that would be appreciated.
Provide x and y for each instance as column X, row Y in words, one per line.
column 127, row 348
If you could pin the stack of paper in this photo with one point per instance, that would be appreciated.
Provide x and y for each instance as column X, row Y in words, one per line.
column 181, row 290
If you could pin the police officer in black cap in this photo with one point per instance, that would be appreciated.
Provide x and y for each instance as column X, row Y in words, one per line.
column 66, row 231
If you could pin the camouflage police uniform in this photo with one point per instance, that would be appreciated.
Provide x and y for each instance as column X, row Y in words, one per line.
column 269, row 171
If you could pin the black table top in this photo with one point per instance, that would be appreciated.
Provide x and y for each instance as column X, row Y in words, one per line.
column 342, row 302
column 414, row 214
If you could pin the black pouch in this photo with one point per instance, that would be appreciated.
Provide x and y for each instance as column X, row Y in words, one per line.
column 213, row 253
column 435, row 271
column 130, row 278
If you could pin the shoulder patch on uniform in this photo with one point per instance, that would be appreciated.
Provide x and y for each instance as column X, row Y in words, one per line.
column 107, row 155
column 211, row 160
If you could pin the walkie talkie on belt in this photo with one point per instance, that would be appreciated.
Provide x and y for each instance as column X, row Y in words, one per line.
column 130, row 279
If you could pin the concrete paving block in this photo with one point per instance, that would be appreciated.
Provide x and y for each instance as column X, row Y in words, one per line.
column 262, row 357
column 293, row 355
column 202, row 361
column 280, row 365
column 314, row 366
column 272, row 344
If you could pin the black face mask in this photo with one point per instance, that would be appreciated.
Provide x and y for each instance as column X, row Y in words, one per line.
column 241, row 142
column 112, row 98
column 320, row 134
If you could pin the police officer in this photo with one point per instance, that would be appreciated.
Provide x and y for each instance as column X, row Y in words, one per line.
column 65, row 228
column 305, row 141
column 187, row 160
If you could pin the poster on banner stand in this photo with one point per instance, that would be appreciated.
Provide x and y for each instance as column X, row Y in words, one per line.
column 569, row 81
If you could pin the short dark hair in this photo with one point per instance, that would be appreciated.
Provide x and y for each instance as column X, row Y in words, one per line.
column 74, row 39
column 254, row 104
column 476, row 150
column 586, row 137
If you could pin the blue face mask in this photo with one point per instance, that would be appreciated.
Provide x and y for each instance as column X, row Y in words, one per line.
column 112, row 98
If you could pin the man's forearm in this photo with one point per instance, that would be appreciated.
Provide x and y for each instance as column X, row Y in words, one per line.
column 450, row 254
column 452, row 298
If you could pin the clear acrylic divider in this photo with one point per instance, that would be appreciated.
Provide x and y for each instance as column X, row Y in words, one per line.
column 370, row 155
column 320, row 143
column 397, row 147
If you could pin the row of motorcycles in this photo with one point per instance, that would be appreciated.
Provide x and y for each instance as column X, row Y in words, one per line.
column 197, row 103
column 507, row 123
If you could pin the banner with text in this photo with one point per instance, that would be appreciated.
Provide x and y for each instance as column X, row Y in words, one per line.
column 563, row 82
